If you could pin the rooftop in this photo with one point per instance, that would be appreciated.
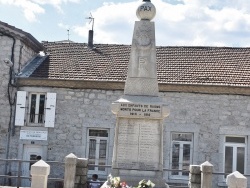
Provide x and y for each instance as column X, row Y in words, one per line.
column 175, row 65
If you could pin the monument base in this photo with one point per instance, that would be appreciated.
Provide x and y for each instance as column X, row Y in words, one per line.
column 133, row 177
column 137, row 152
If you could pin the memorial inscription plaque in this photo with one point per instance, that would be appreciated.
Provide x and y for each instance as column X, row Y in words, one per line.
column 138, row 144
column 140, row 110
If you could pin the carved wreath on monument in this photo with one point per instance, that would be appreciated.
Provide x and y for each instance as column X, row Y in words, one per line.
column 143, row 37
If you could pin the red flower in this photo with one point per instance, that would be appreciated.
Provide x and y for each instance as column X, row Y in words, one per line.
column 123, row 184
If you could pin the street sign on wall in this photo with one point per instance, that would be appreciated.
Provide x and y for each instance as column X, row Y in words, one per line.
column 33, row 135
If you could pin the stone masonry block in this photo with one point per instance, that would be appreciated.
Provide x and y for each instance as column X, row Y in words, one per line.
column 101, row 96
column 111, row 93
column 70, row 159
column 206, row 167
column 81, row 171
column 84, row 179
column 194, row 185
column 82, row 162
column 80, row 186
column 236, row 180
column 40, row 168
column 70, row 170
column 68, row 97
column 195, row 169
column 248, row 107
column 77, row 179
column 92, row 95
column 195, row 178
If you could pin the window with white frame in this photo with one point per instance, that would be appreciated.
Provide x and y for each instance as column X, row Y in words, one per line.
column 234, row 154
column 38, row 110
column 181, row 154
column 97, row 149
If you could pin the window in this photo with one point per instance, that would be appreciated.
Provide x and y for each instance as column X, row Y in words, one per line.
column 181, row 154
column 97, row 149
column 234, row 154
column 40, row 109
column 36, row 109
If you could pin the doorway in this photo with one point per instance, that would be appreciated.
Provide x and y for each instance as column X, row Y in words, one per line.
column 30, row 152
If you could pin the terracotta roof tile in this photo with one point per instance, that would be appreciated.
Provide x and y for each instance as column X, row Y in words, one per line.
column 177, row 65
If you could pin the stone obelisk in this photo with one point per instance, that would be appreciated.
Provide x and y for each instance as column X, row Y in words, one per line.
column 138, row 147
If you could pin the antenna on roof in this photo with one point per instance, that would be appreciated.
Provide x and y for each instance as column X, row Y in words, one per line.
column 68, row 34
column 91, row 32
column 92, row 19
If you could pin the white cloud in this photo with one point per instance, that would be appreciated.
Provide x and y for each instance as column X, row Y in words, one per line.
column 64, row 26
column 56, row 3
column 190, row 22
column 113, row 23
column 182, row 22
column 31, row 8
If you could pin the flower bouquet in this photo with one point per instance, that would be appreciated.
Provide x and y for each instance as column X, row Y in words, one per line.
column 115, row 182
column 146, row 184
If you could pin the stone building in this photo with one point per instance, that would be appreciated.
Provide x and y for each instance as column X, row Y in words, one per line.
column 18, row 47
column 64, row 104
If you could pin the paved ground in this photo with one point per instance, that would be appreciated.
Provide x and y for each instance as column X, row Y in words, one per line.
column 11, row 187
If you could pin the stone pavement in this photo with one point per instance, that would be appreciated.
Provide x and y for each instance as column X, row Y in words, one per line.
column 11, row 187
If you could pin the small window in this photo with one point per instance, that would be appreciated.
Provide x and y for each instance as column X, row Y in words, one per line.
column 39, row 110
column 181, row 154
column 99, row 133
column 235, row 139
column 36, row 109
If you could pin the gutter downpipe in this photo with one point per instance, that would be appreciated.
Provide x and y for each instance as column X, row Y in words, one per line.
column 11, row 103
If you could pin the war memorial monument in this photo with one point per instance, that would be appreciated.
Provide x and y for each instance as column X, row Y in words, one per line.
column 138, row 147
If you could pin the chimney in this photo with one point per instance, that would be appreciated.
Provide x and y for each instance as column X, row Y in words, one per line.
column 90, row 40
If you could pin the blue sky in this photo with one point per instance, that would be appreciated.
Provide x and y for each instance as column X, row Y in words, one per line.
column 178, row 22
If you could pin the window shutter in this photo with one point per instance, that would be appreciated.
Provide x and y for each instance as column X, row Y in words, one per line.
column 50, row 110
column 20, row 108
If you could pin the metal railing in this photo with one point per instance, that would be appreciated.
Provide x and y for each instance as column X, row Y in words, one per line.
column 18, row 177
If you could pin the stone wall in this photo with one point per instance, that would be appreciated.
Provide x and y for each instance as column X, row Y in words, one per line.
column 5, row 52
column 76, row 111
column 22, row 54
column 4, row 114
column 208, row 117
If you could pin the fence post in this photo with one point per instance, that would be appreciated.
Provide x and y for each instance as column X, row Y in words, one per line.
column 70, row 171
column 81, row 173
column 39, row 174
column 194, row 176
column 206, row 175
column 19, row 174
column 236, row 179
